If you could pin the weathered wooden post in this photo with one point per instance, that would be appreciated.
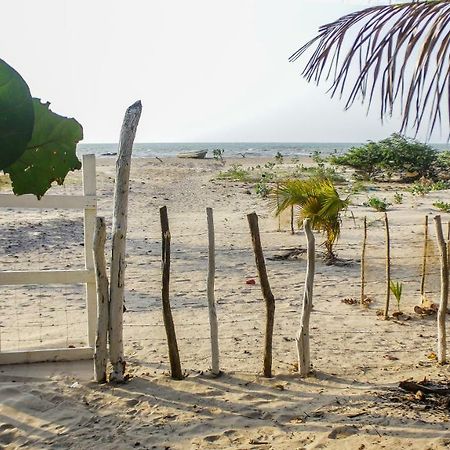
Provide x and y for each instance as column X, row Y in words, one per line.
column 213, row 325
column 174, row 356
column 101, row 351
column 302, row 339
column 266, row 291
column 363, row 263
column 292, row 220
column 424, row 260
column 119, row 232
column 442, row 311
column 388, row 267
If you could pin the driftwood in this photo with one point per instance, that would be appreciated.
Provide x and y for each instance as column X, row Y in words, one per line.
column 388, row 267
column 119, row 232
column 101, row 351
column 266, row 291
column 292, row 220
column 411, row 386
column 363, row 263
column 302, row 339
column 213, row 325
column 174, row 356
column 442, row 311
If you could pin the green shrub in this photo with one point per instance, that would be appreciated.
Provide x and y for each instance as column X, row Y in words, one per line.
column 378, row 204
column 420, row 188
column 235, row 173
column 398, row 198
column 443, row 206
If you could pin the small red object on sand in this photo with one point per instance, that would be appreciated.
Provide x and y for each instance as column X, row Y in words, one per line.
column 250, row 281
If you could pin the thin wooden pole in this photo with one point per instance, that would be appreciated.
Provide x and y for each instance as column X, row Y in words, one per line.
column 442, row 311
column 388, row 267
column 363, row 263
column 174, row 356
column 424, row 260
column 213, row 324
column 302, row 339
column 266, row 291
column 292, row 220
column 278, row 208
column 119, row 232
column 101, row 351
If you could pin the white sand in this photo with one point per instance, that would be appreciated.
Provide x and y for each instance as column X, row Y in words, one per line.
column 356, row 355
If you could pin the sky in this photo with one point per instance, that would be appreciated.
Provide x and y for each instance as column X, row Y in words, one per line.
column 205, row 70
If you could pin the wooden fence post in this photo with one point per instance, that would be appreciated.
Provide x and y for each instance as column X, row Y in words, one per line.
column 266, row 291
column 101, row 351
column 442, row 311
column 292, row 220
column 424, row 260
column 302, row 339
column 363, row 263
column 119, row 232
column 388, row 267
column 174, row 356
column 213, row 325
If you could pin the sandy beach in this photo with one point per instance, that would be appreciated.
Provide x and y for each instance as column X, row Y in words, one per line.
column 351, row 401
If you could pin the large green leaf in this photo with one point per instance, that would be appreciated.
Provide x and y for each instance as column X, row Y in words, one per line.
column 50, row 154
column 16, row 115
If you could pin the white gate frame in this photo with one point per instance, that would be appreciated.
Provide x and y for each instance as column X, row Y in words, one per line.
column 87, row 202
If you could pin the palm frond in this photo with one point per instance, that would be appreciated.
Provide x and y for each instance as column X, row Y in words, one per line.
column 400, row 50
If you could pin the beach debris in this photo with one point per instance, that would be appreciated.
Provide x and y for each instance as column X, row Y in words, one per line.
column 342, row 432
column 352, row 301
column 250, row 281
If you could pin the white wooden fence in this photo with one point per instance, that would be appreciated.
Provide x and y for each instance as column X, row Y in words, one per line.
column 87, row 202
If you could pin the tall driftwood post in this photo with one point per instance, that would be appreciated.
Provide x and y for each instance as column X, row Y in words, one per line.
column 424, row 260
column 363, row 263
column 174, row 356
column 101, row 342
column 119, row 232
column 213, row 325
column 442, row 311
column 266, row 291
column 292, row 220
column 302, row 339
column 388, row 266
column 278, row 207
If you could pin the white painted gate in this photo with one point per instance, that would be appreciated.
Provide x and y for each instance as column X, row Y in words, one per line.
column 87, row 202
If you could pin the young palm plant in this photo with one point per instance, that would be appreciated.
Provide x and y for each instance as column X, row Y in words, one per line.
column 318, row 200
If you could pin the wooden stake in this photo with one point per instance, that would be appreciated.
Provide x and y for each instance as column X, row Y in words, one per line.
column 424, row 260
column 292, row 220
column 174, row 356
column 278, row 208
column 302, row 339
column 363, row 263
column 266, row 291
column 119, row 232
column 213, row 324
column 442, row 311
column 388, row 267
column 101, row 351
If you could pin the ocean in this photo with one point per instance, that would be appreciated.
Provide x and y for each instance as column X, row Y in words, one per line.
column 231, row 149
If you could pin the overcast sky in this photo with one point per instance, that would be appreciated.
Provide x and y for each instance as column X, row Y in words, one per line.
column 205, row 70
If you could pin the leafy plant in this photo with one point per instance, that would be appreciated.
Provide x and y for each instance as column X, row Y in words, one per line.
column 218, row 154
column 37, row 146
column 420, row 188
column 235, row 173
column 396, row 289
column 318, row 200
column 398, row 198
column 443, row 206
column 279, row 158
column 380, row 205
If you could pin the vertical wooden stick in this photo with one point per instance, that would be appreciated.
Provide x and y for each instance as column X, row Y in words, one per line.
column 174, row 356
column 119, row 232
column 424, row 260
column 213, row 325
column 442, row 311
column 363, row 263
column 388, row 267
column 278, row 208
column 266, row 291
column 302, row 339
column 101, row 352
column 292, row 220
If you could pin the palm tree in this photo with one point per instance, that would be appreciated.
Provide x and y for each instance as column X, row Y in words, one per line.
column 401, row 50
column 317, row 200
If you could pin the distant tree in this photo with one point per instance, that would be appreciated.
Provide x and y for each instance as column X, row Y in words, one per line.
column 402, row 53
